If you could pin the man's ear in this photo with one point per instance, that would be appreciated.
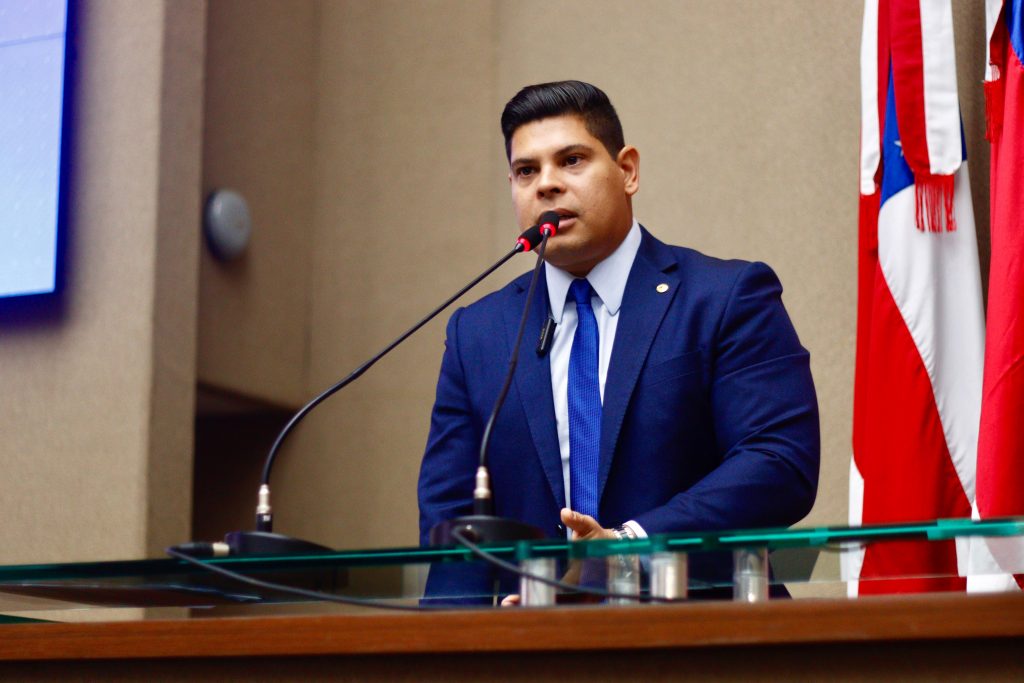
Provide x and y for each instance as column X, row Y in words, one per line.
column 629, row 163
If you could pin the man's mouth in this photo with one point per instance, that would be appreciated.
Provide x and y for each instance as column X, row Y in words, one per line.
column 566, row 218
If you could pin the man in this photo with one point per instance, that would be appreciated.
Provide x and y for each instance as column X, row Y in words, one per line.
column 675, row 395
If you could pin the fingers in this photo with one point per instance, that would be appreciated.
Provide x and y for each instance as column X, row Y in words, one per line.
column 510, row 600
column 583, row 526
column 573, row 573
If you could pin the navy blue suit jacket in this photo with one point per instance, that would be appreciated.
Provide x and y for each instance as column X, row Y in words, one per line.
column 710, row 419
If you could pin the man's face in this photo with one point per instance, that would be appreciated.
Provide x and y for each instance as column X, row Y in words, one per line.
column 557, row 165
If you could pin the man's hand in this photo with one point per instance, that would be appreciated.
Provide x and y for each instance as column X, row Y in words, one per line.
column 585, row 527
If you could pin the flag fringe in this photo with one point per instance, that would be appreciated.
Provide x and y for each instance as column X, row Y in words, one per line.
column 933, row 207
column 994, row 108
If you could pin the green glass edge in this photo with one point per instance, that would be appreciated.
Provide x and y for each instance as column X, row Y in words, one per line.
column 8, row 619
column 773, row 539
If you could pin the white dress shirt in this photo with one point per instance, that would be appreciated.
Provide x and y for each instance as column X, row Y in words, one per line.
column 608, row 280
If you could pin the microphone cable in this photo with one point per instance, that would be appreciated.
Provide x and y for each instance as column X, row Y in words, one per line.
column 179, row 553
column 189, row 552
column 496, row 561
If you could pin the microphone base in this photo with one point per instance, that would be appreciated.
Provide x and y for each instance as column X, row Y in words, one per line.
column 266, row 543
column 483, row 529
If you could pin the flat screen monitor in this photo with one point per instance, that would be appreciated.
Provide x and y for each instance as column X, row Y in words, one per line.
column 33, row 39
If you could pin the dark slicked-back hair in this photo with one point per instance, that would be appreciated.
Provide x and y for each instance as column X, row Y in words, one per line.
column 535, row 102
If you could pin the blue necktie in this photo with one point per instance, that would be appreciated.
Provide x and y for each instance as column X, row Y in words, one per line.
column 584, row 404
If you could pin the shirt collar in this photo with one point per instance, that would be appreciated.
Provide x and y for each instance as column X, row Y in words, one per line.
column 608, row 278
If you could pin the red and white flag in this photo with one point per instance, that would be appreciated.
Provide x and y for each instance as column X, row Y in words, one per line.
column 1000, row 491
column 920, row 323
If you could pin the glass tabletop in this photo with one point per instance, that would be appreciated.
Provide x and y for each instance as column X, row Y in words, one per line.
column 802, row 563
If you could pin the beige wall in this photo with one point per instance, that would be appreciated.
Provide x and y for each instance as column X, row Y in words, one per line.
column 258, row 140
column 746, row 117
column 95, row 415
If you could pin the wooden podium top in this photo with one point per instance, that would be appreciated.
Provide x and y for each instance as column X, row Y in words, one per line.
column 698, row 624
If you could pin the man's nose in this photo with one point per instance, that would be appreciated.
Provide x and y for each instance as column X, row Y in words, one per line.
column 550, row 182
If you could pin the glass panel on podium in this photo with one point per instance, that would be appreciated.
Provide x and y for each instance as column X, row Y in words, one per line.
column 749, row 566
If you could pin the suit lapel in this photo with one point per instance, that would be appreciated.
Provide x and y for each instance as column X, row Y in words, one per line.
column 533, row 381
column 643, row 308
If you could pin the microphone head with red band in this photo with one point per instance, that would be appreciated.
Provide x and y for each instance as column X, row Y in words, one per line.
column 548, row 223
column 529, row 239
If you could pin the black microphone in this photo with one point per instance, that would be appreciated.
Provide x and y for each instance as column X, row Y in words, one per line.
column 263, row 541
column 530, row 238
column 482, row 526
column 548, row 223
column 547, row 334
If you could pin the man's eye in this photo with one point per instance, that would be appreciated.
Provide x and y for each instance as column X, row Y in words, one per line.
column 524, row 171
column 573, row 159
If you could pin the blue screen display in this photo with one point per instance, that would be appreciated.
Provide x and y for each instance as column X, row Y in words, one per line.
column 33, row 34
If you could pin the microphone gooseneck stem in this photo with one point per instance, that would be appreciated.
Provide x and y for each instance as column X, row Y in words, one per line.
column 264, row 516
column 483, row 503
column 264, row 513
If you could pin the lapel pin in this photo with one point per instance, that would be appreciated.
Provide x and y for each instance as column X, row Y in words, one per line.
column 662, row 288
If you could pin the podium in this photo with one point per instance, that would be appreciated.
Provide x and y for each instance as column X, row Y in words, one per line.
column 186, row 622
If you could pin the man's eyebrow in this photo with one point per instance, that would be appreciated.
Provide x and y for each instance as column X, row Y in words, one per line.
column 574, row 147
column 521, row 161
